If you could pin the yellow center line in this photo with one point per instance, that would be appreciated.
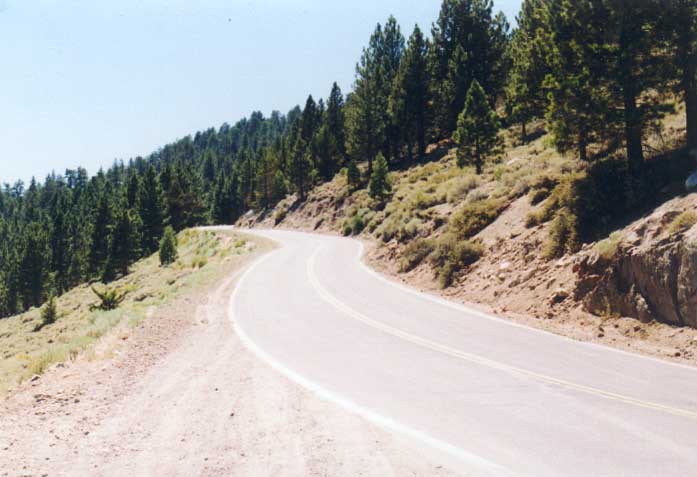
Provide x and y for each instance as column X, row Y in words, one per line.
column 473, row 358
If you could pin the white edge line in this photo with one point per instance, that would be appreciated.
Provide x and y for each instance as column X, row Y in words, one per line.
column 372, row 416
column 480, row 314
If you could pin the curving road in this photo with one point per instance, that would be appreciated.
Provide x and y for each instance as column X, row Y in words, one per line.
column 488, row 396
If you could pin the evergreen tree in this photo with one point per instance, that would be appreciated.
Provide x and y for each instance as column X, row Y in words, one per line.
column 150, row 211
column 468, row 43
column 409, row 98
column 353, row 176
column 477, row 129
column 33, row 271
column 124, row 246
column 368, row 120
column 300, row 168
column 133, row 191
column 101, row 231
column 379, row 187
column 525, row 95
column 310, row 120
column 336, row 124
column 679, row 26
column 59, row 243
column 168, row 247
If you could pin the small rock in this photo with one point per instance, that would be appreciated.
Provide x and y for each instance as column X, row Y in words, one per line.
column 677, row 354
column 601, row 335
column 558, row 296
column 34, row 378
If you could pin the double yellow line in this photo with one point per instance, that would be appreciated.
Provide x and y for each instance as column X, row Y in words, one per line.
column 472, row 358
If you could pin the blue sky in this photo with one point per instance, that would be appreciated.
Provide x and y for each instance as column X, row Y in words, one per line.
column 85, row 82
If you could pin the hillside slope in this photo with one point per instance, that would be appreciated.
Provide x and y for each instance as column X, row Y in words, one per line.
column 505, row 219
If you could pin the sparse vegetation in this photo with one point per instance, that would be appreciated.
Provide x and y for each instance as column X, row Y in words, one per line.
column 415, row 253
column 109, row 299
column 26, row 351
column 451, row 255
column 49, row 314
column 562, row 236
column 471, row 218
column 607, row 248
column 682, row 222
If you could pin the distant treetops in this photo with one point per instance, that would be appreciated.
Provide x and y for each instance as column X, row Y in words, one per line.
column 600, row 72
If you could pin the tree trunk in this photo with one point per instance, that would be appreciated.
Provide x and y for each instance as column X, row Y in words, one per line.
column 632, row 128
column 688, row 58
column 582, row 145
column 627, row 64
column 523, row 133
column 421, row 136
column 478, row 159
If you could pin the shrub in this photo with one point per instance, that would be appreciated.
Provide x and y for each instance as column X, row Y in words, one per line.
column 422, row 200
column 461, row 187
column 49, row 314
column 682, row 222
column 109, row 299
column 451, row 255
column 168, row 247
column 562, row 236
column 414, row 254
column 356, row 222
column 280, row 215
column 470, row 219
column 607, row 248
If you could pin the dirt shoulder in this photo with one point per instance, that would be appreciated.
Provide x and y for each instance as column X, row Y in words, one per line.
column 178, row 394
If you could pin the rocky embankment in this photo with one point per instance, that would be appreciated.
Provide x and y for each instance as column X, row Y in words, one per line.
column 651, row 272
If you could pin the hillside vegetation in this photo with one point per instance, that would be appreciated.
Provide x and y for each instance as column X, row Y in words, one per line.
column 597, row 79
column 28, row 348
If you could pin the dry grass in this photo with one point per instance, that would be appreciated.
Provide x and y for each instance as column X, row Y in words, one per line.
column 202, row 257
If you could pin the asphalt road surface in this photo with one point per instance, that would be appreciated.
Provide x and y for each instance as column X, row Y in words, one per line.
column 491, row 397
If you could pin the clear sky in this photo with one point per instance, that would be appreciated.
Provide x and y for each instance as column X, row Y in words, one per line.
column 85, row 82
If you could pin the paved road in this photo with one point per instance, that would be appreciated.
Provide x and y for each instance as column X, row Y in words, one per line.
column 496, row 398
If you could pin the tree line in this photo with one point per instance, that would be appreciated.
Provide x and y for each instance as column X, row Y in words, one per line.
column 601, row 73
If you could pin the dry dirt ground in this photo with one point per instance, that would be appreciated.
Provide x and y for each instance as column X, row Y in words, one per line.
column 180, row 395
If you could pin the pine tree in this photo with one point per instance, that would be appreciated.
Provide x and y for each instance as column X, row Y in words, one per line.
column 59, row 243
column 379, row 186
column 124, row 246
column 409, row 98
column 468, row 43
column 300, row 168
column 679, row 26
column 33, row 271
column 368, row 120
column 133, row 191
column 310, row 120
column 150, row 211
column 336, row 124
column 168, row 247
column 525, row 95
column 353, row 176
column 477, row 130
column 101, row 231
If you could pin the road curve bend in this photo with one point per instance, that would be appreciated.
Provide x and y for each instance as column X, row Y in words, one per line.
column 494, row 397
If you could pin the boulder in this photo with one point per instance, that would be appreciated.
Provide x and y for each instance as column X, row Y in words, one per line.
column 656, row 280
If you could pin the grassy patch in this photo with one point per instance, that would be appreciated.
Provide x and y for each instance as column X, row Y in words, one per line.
column 452, row 255
column 682, row 222
column 24, row 352
column 472, row 218
column 607, row 248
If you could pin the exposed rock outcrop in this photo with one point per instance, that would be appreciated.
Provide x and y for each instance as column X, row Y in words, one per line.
column 651, row 276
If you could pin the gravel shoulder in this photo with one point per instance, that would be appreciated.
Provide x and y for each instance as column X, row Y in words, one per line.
column 180, row 395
